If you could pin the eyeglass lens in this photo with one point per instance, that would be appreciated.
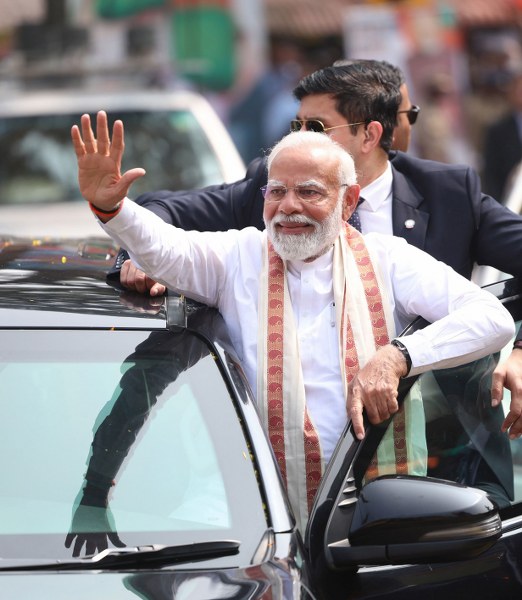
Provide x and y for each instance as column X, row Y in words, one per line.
column 413, row 113
column 311, row 125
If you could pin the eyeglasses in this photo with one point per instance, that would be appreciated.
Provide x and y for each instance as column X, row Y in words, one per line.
column 305, row 193
column 412, row 113
column 317, row 126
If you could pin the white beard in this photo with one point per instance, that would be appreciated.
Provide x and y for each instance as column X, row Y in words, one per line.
column 304, row 246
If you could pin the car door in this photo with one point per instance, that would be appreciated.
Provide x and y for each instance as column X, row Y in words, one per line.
column 429, row 504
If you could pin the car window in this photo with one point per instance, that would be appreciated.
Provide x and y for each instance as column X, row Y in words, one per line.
column 446, row 428
column 121, row 431
column 38, row 162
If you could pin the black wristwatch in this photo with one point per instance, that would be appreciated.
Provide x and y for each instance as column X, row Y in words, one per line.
column 400, row 346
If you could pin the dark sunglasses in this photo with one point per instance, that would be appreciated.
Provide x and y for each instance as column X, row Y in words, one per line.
column 317, row 126
column 412, row 113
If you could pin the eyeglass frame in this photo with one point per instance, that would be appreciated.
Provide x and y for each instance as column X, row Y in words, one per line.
column 323, row 194
column 324, row 129
column 412, row 113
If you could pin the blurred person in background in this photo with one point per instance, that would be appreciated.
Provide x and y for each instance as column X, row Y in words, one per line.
column 503, row 143
column 436, row 207
column 439, row 132
column 259, row 118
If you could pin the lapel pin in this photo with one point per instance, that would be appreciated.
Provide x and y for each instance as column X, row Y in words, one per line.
column 409, row 223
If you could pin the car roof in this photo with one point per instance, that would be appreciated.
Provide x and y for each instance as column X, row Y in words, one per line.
column 48, row 102
column 62, row 284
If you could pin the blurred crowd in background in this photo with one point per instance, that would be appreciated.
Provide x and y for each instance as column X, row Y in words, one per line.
column 462, row 61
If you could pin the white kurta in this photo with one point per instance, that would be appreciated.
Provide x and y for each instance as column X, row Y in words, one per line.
column 222, row 269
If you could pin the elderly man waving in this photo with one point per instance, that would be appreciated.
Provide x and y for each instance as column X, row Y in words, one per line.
column 328, row 302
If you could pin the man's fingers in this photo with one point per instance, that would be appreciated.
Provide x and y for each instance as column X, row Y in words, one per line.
column 497, row 386
column 513, row 424
column 355, row 413
column 129, row 177
column 87, row 134
column 157, row 289
column 118, row 141
column 134, row 279
column 77, row 141
column 139, row 281
column 380, row 406
column 102, row 133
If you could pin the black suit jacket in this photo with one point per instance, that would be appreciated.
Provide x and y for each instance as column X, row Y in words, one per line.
column 437, row 207
column 502, row 153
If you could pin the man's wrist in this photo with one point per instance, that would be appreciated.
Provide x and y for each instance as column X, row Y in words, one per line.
column 404, row 351
column 517, row 345
column 106, row 215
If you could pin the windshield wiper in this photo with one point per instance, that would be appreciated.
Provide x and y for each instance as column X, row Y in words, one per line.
column 136, row 557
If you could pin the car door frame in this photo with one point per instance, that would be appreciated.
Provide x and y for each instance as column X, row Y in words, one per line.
column 340, row 490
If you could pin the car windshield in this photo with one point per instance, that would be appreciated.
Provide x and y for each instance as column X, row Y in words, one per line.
column 446, row 428
column 119, row 438
column 38, row 162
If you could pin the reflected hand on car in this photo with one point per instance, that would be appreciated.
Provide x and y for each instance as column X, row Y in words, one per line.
column 92, row 527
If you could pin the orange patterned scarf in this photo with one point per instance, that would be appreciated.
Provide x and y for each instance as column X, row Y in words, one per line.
column 362, row 317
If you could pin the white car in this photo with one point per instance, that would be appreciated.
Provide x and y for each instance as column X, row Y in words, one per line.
column 176, row 136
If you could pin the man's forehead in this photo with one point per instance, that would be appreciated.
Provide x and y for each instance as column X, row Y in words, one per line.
column 292, row 165
column 304, row 157
column 316, row 106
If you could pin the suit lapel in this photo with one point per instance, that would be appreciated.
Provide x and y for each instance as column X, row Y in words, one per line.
column 408, row 220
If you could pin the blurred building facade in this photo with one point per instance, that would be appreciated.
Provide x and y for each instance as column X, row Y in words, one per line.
column 234, row 51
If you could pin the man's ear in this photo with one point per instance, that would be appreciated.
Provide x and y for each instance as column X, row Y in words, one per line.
column 372, row 136
column 351, row 197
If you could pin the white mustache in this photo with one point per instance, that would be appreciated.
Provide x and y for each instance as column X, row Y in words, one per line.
column 301, row 219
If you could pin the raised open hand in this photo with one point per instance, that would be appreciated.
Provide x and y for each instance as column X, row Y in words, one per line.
column 99, row 162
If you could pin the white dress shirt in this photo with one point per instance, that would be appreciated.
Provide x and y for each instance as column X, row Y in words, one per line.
column 222, row 269
column 376, row 210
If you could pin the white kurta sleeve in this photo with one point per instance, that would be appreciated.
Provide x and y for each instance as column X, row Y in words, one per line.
column 189, row 262
column 467, row 322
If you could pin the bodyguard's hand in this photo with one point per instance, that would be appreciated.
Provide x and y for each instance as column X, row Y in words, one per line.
column 99, row 162
column 509, row 375
column 134, row 279
column 374, row 388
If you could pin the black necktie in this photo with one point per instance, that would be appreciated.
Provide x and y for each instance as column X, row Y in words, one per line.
column 355, row 220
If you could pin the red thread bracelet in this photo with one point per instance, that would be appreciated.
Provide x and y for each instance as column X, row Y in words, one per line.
column 105, row 213
column 518, row 344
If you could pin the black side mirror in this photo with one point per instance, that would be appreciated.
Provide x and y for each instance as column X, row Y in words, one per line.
column 399, row 520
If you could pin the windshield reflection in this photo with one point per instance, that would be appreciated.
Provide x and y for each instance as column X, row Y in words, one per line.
column 121, row 437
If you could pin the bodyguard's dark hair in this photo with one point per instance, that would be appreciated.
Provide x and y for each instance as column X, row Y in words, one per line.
column 363, row 90
column 385, row 70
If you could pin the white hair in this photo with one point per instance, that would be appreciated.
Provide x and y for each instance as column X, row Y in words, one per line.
column 312, row 139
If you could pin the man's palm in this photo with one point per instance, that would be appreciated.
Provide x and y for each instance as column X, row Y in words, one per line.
column 99, row 178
